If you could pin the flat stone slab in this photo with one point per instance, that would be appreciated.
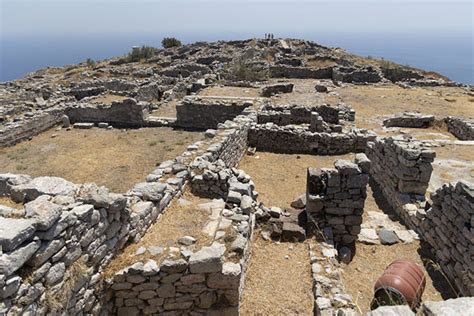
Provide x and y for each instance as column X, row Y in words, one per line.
column 40, row 186
column 43, row 211
column 368, row 236
column 83, row 125
column 388, row 237
column 14, row 231
column 457, row 306
column 207, row 260
column 150, row 191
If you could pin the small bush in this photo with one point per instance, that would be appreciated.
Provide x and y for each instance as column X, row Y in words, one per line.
column 169, row 42
column 245, row 71
column 139, row 53
column 90, row 63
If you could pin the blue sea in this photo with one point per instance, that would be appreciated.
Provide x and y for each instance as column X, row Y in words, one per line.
column 448, row 54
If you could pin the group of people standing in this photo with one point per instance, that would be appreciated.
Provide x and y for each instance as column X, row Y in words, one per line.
column 269, row 36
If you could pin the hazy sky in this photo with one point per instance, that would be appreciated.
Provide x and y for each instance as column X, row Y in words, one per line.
column 232, row 17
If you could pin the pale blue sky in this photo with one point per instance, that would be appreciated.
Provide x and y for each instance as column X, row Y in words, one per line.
column 27, row 17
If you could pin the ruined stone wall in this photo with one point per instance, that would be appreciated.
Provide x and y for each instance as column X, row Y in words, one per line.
column 335, row 198
column 449, row 229
column 126, row 113
column 285, row 71
column 206, row 281
column 285, row 115
column 270, row 137
column 358, row 75
column 402, row 168
column 15, row 132
column 54, row 249
column 462, row 128
column 208, row 112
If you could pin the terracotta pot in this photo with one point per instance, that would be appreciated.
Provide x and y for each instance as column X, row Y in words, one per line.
column 402, row 282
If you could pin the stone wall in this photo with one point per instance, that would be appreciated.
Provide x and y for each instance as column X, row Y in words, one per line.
column 209, row 280
column 402, row 168
column 462, row 128
column 409, row 119
column 207, row 112
column 449, row 229
column 287, row 139
column 55, row 248
column 335, row 198
column 294, row 114
column 17, row 131
column 126, row 113
column 367, row 74
column 285, row 71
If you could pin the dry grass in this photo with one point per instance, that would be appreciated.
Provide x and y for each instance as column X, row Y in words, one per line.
column 107, row 99
column 371, row 260
column 303, row 93
column 320, row 63
column 373, row 102
column 280, row 178
column 276, row 285
column 6, row 201
column 115, row 158
column 176, row 222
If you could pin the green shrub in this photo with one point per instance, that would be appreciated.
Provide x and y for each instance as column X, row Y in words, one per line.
column 169, row 42
column 90, row 63
column 242, row 70
column 139, row 53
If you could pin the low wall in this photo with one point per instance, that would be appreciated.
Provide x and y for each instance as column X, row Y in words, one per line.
column 15, row 132
column 462, row 128
column 270, row 137
column 285, row 71
column 126, row 113
column 293, row 114
column 448, row 228
column 208, row 112
column 402, row 168
column 336, row 197
column 408, row 119
column 353, row 74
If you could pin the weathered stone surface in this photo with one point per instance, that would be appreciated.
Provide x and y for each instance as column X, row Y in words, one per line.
column 299, row 202
column 388, row 237
column 150, row 191
column 292, row 232
column 55, row 274
column 44, row 212
column 173, row 266
column 10, row 262
column 13, row 232
column 42, row 185
column 207, row 260
column 456, row 306
column 229, row 278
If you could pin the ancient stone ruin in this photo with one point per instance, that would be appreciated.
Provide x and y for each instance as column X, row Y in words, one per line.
column 205, row 232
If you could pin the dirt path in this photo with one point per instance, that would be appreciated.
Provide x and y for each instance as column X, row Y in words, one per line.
column 278, row 280
column 280, row 178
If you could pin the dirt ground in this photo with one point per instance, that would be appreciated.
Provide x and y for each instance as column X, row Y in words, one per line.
column 280, row 178
column 373, row 103
column 224, row 91
column 114, row 158
column 6, row 201
column 371, row 260
column 303, row 93
column 178, row 221
column 166, row 109
column 278, row 280
column 107, row 99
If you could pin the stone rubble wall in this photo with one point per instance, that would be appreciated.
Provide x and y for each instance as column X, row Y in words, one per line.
column 207, row 112
column 462, row 128
column 55, row 252
column 285, row 71
column 293, row 114
column 17, row 131
column 408, row 119
column 294, row 140
column 402, row 168
column 207, row 281
column 449, row 229
column 126, row 113
column 335, row 198
column 367, row 74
